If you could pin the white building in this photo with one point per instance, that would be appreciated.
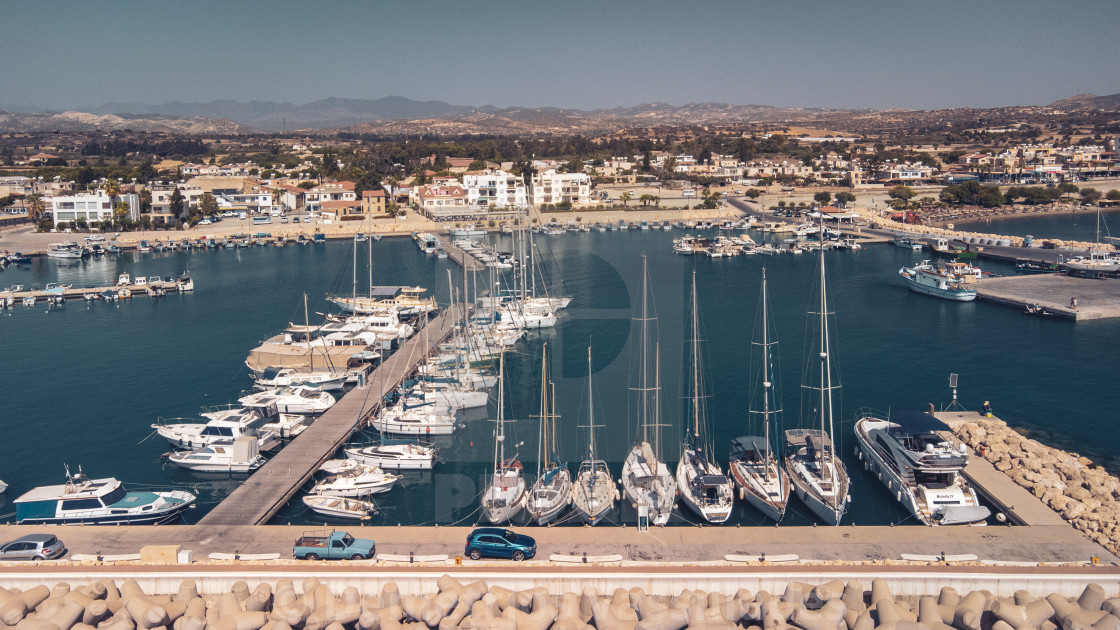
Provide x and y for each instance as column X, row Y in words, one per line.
column 91, row 207
column 494, row 189
column 552, row 187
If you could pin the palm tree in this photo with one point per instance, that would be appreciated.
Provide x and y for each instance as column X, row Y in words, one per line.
column 113, row 189
column 34, row 203
column 625, row 198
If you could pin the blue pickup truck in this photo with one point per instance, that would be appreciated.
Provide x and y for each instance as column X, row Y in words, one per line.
column 330, row 544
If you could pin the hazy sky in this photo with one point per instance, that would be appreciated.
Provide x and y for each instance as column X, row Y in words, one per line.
column 567, row 53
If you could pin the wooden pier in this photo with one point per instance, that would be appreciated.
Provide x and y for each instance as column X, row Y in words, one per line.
column 460, row 257
column 258, row 499
column 78, row 293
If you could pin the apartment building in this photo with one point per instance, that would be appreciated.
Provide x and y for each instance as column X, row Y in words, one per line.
column 553, row 187
column 90, row 207
column 494, row 189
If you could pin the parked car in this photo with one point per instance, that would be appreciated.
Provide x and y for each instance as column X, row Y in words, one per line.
column 33, row 547
column 332, row 545
column 205, row 222
column 498, row 542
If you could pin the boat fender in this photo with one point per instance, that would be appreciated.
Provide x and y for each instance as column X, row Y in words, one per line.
column 867, row 465
column 898, row 496
column 617, row 496
column 859, row 454
column 742, row 494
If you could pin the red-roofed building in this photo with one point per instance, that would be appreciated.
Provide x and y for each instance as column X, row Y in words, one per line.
column 440, row 201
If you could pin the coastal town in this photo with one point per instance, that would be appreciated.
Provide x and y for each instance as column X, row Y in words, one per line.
column 611, row 317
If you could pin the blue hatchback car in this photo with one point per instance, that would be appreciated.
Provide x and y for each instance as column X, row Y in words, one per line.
column 498, row 542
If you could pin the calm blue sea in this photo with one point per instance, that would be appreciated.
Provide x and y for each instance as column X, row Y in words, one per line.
column 82, row 384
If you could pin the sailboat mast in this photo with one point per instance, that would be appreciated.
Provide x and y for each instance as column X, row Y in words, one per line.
column 765, row 369
column 590, row 425
column 643, row 405
column 500, row 434
column 695, row 368
column 543, row 443
column 657, row 399
column 307, row 333
column 354, row 277
column 532, row 256
column 370, row 267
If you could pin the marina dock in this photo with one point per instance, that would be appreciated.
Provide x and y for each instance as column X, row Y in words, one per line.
column 460, row 257
column 256, row 500
column 1096, row 298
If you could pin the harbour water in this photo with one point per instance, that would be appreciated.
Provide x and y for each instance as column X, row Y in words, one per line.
column 82, row 384
column 1073, row 227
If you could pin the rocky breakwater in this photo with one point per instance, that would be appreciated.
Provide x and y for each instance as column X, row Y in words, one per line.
column 1085, row 495
column 832, row 605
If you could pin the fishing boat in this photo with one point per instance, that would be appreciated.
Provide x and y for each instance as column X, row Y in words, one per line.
column 340, row 507
column 505, row 496
column 300, row 399
column 241, row 455
column 184, row 282
column 407, row 456
column 593, row 493
column 1031, row 267
column 82, row 500
column 646, row 478
column 351, row 478
column 916, row 458
column 815, row 471
column 426, row 241
column 222, row 426
column 551, row 493
column 755, row 460
column 702, row 485
column 64, row 250
column 905, row 242
column 939, row 281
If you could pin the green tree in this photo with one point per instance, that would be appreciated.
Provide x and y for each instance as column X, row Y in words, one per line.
column 711, row 201
column 904, row 193
column 207, row 204
column 753, row 193
column 113, row 189
column 1090, row 195
column 823, row 197
column 844, row 198
column 1067, row 188
column 1113, row 195
column 121, row 212
column 646, row 199
column 625, row 198
column 175, row 203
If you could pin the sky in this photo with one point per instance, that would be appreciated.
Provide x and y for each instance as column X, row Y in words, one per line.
column 568, row 53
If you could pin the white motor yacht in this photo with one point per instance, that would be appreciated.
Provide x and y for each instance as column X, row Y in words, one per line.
column 222, row 426
column 403, row 420
column 350, row 478
column 914, row 455
column 276, row 377
column 395, row 456
column 241, row 455
column 300, row 399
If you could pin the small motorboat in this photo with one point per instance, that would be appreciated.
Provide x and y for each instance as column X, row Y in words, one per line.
column 340, row 507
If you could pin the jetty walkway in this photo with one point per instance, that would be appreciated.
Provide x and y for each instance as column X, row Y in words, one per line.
column 460, row 257
column 258, row 499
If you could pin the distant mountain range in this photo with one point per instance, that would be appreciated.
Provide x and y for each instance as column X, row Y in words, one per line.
column 397, row 114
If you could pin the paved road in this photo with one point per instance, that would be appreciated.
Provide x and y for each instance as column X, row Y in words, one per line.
column 672, row 544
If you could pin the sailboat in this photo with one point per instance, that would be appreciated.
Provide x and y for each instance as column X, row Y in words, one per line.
column 755, row 461
column 593, row 493
column 817, row 474
column 551, row 494
column 703, row 486
column 505, row 495
column 645, row 477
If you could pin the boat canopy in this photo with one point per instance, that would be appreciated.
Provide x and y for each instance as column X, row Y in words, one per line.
column 385, row 292
column 747, row 444
column 917, row 422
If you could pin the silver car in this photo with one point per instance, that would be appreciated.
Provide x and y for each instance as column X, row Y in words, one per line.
column 33, row 547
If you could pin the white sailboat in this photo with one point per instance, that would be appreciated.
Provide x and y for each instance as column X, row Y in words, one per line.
column 646, row 478
column 551, row 494
column 816, row 472
column 703, row 486
column 755, row 463
column 505, row 495
column 593, row 493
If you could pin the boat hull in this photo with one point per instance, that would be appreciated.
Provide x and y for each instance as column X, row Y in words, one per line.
column 757, row 497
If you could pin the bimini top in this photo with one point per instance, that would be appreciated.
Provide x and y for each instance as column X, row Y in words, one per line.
column 917, row 422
